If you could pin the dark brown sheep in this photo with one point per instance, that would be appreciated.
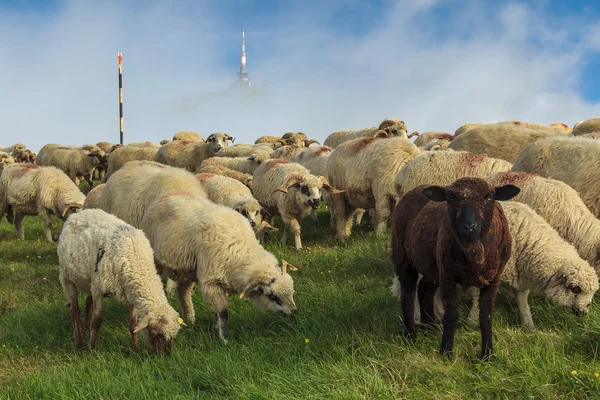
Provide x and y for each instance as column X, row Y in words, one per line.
column 453, row 234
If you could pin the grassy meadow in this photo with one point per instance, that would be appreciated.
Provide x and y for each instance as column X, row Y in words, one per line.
column 344, row 343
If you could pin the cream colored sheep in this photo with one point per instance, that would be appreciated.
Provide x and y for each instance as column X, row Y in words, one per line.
column 560, row 205
column 106, row 147
column 365, row 169
column 444, row 167
column 392, row 126
column 28, row 189
column 196, row 240
column 189, row 155
column 189, row 136
column 267, row 139
column 290, row 190
column 503, row 141
column 233, row 194
column 75, row 163
column 103, row 256
column 571, row 159
column 288, row 152
column 246, row 165
column 555, row 127
column 5, row 159
column 246, row 150
column 128, row 192
column 590, row 126
column 241, row 177
column 93, row 196
column 123, row 155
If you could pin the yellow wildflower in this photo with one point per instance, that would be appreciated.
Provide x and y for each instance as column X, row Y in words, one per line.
column 597, row 375
column 573, row 372
column 306, row 340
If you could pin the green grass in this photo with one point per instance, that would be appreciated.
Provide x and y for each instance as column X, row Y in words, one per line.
column 345, row 342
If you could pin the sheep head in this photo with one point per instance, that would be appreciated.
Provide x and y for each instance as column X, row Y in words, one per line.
column 69, row 209
column 216, row 142
column 574, row 287
column 471, row 203
column 227, row 137
column 273, row 291
column 328, row 187
column 380, row 134
column 160, row 333
column 252, row 214
column 305, row 192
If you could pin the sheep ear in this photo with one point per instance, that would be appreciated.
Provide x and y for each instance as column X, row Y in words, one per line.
column 252, row 157
column 506, row 192
column 252, row 291
column 285, row 265
column 143, row 324
column 435, row 193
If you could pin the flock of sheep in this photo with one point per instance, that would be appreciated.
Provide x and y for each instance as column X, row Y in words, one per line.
column 510, row 202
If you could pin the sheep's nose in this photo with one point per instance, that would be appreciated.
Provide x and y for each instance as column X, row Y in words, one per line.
column 252, row 223
column 470, row 227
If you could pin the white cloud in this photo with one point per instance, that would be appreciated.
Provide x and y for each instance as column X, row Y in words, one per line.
column 58, row 80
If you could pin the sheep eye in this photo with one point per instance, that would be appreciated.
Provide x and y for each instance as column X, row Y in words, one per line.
column 275, row 298
column 576, row 289
column 490, row 197
column 450, row 196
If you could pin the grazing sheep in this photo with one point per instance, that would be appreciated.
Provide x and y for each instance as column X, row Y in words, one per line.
column 241, row 177
column 315, row 160
column 128, row 192
column 444, row 167
column 465, row 128
column 453, row 234
column 188, row 136
column 571, row 159
column 103, row 256
column 246, row 150
column 189, row 155
column 233, row 194
column 93, row 196
column 427, row 137
column 587, row 127
column 290, row 190
column 123, row 155
column 391, row 126
column 75, row 163
column 560, row 205
column 365, row 169
column 503, row 141
column 5, row 159
column 28, row 189
column 218, row 249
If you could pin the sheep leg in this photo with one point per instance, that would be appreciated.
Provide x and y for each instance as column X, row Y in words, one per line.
column 71, row 294
column 487, row 294
column 132, row 325
column 426, row 291
column 359, row 216
column 216, row 298
column 48, row 223
column 342, row 216
column 285, row 233
column 450, row 319
column 89, row 180
column 295, row 230
column 408, row 284
column 473, row 319
column 184, row 292
column 89, row 308
column 524, row 311
column 96, row 319
column 381, row 215
column 19, row 225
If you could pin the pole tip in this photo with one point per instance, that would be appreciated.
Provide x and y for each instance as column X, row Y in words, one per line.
column 120, row 57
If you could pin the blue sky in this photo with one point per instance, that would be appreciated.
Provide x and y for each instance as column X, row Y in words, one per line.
column 325, row 65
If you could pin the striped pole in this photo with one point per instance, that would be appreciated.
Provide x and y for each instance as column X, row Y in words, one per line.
column 120, row 58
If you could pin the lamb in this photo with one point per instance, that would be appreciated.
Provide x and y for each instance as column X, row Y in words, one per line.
column 560, row 205
column 123, row 155
column 365, row 169
column 571, row 159
column 188, row 136
column 290, row 190
column 128, row 192
column 427, row 137
column 443, row 168
column 16, row 146
column 241, row 177
column 540, row 262
column 28, row 189
column 587, row 127
column 391, row 126
column 466, row 227
column 218, row 250
column 75, row 163
column 103, row 256
column 93, row 196
column 189, row 155
column 5, row 159
column 233, row 194
column 503, row 141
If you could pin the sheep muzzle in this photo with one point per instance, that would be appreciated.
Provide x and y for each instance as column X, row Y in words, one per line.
column 469, row 223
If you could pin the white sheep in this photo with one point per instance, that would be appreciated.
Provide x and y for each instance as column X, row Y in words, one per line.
column 129, row 190
column 245, row 179
column 123, row 155
column 503, row 141
column 196, row 240
column 290, row 190
column 233, row 194
column 74, row 162
column 103, row 256
column 189, row 155
column 444, row 167
column 541, row 262
column 364, row 169
column 571, row 159
column 560, row 205
column 28, row 189
column 93, row 197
